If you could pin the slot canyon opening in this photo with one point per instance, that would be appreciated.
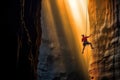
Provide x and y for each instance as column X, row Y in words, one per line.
column 56, row 55
column 63, row 22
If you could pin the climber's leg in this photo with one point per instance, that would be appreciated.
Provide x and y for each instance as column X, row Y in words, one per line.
column 83, row 49
column 91, row 45
column 84, row 44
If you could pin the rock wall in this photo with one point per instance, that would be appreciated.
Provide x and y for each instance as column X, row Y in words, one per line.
column 104, row 18
column 24, row 38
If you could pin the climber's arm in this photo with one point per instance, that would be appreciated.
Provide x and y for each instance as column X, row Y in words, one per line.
column 89, row 36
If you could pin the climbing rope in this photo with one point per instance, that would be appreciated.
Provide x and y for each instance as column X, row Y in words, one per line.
column 86, row 35
column 86, row 22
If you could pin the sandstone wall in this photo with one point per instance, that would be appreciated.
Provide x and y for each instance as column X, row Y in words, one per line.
column 104, row 18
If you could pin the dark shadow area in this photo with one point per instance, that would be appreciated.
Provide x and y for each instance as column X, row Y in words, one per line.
column 104, row 78
column 12, row 24
column 74, row 76
column 22, row 56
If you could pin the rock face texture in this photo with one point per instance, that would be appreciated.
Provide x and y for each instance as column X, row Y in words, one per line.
column 24, row 37
column 29, row 37
column 104, row 18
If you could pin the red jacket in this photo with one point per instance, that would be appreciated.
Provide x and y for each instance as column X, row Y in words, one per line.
column 84, row 39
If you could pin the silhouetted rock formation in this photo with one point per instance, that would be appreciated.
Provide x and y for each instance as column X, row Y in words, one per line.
column 25, row 36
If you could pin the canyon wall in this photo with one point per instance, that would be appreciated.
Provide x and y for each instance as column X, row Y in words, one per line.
column 24, row 37
column 104, row 16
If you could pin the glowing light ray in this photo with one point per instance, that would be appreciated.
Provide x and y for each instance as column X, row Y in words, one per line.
column 75, row 11
column 79, row 11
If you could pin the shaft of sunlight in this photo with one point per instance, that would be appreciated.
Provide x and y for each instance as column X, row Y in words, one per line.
column 80, row 22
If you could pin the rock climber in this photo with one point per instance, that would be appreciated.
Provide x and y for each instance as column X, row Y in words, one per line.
column 86, row 42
